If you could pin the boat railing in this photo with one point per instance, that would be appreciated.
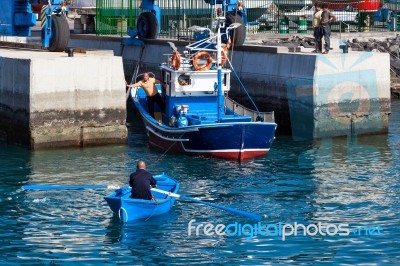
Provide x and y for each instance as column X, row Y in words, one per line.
column 244, row 111
column 167, row 61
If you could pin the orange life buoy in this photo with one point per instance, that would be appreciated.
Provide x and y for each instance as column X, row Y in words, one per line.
column 176, row 60
column 205, row 56
column 224, row 55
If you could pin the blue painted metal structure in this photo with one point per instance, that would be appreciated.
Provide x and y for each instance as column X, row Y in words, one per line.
column 50, row 31
column 17, row 19
column 390, row 16
column 130, row 209
column 235, row 12
column 149, row 21
column 148, row 24
column 231, row 6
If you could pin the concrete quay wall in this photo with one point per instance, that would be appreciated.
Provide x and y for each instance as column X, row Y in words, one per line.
column 313, row 95
column 52, row 100
column 320, row 95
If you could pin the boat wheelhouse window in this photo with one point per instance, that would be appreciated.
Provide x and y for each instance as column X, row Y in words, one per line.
column 184, row 80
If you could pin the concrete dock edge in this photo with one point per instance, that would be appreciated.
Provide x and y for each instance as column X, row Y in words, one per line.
column 50, row 100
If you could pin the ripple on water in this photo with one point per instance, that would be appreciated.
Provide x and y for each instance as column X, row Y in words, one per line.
column 355, row 181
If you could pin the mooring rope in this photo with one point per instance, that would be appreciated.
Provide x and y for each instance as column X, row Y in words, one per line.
column 153, row 210
column 244, row 88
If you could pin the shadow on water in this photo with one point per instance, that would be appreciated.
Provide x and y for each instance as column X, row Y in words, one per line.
column 15, row 165
column 132, row 233
column 16, row 168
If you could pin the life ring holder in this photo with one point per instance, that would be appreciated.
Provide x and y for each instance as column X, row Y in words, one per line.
column 202, row 67
column 176, row 60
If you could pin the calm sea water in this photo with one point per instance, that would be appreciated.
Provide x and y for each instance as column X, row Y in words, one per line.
column 352, row 180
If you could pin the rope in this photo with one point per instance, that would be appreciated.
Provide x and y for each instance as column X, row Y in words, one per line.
column 170, row 199
column 243, row 87
column 136, row 71
column 160, row 157
column 153, row 210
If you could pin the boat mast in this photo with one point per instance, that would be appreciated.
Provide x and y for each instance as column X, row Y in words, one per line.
column 221, row 24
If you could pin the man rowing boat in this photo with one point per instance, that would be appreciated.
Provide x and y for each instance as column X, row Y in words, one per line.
column 140, row 182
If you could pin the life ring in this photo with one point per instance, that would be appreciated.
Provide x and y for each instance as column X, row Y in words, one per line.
column 224, row 55
column 176, row 60
column 205, row 55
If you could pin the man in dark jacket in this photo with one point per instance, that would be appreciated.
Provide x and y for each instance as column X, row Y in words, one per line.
column 140, row 181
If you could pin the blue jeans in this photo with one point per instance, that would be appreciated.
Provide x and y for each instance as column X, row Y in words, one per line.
column 326, row 29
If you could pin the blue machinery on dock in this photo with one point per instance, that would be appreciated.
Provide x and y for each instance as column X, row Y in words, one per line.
column 149, row 21
column 17, row 19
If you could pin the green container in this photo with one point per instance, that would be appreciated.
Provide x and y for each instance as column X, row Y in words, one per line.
column 283, row 26
column 302, row 26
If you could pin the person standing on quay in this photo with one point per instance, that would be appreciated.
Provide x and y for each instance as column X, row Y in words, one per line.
column 326, row 20
column 317, row 28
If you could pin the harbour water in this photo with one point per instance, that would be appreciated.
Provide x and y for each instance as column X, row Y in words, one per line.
column 350, row 183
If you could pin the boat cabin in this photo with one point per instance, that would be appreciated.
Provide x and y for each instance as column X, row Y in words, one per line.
column 193, row 93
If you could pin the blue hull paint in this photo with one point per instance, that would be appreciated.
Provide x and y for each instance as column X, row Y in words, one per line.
column 134, row 209
column 233, row 140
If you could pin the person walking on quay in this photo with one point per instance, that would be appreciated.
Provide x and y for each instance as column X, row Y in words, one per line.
column 317, row 28
column 326, row 20
column 149, row 85
column 140, row 182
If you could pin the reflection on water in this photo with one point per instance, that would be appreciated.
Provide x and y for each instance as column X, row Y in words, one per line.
column 353, row 180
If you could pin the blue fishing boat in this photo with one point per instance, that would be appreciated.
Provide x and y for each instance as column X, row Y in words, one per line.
column 130, row 209
column 200, row 119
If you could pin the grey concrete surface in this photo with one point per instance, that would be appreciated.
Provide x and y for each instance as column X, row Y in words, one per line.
column 51, row 100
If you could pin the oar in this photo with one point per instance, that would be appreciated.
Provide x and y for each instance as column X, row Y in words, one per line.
column 228, row 209
column 59, row 187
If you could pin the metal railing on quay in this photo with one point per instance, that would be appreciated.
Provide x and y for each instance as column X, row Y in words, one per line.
column 263, row 16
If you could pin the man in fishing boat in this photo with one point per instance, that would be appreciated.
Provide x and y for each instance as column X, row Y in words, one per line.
column 140, row 181
column 149, row 86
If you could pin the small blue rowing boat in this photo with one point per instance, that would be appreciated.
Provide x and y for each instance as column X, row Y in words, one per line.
column 130, row 209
